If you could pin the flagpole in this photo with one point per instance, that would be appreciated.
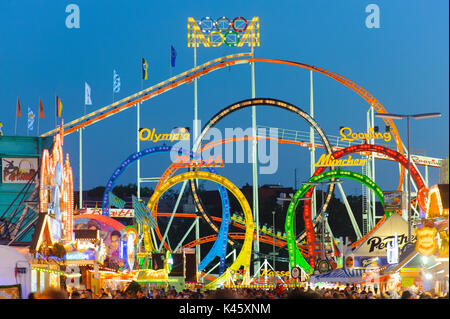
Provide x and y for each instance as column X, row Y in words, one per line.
column 39, row 113
column 56, row 107
column 113, row 88
column 15, row 121
column 80, row 130
column 138, row 144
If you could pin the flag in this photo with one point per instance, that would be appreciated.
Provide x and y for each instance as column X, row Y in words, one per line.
column 30, row 119
column 144, row 69
column 116, row 201
column 58, row 107
column 142, row 213
column 116, row 82
column 87, row 94
column 18, row 114
column 41, row 109
column 173, row 56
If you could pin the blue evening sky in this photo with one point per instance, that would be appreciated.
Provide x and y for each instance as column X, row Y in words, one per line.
column 404, row 64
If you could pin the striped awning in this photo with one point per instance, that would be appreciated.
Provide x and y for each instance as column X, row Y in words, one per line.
column 339, row 275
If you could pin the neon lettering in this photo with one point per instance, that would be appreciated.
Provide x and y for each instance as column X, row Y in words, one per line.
column 347, row 134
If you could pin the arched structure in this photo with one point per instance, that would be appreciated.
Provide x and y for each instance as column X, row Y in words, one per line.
column 219, row 248
column 243, row 259
column 295, row 257
column 422, row 193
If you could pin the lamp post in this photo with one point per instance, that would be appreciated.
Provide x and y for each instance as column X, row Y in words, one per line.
column 337, row 181
column 408, row 116
column 273, row 246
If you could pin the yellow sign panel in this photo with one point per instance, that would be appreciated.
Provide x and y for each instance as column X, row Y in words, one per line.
column 426, row 243
column 407, row 282
column 146, row 134
column 328, row 160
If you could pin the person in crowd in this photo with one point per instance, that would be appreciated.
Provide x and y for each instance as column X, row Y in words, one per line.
column 52, row 293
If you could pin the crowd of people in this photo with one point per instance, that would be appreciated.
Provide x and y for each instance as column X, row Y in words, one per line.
column 136, row 291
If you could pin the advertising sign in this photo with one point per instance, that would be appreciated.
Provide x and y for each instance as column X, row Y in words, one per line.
column 18, row 170
column 376, row 244
column 393, row 200
column 113, row 212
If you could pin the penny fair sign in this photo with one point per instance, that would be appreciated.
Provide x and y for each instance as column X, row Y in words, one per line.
column 381, row 247
column 215, row 32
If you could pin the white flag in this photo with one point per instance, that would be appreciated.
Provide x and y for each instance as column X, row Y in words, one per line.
column 87, row 94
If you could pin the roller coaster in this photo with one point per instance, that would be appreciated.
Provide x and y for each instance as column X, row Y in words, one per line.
column 300, row 246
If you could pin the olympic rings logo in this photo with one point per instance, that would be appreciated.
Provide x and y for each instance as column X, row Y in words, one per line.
column 223, row 25
column 215, row 32
column 238, row 274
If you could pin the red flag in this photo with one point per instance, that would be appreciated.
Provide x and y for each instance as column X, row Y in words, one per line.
column 18, row 108
column 41, row 109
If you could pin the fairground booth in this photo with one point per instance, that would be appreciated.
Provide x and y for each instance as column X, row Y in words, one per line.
column 76, row 249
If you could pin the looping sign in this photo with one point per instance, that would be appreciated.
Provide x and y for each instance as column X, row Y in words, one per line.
column 214, row 33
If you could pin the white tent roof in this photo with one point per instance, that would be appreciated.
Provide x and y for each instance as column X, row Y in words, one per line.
column 375, row 244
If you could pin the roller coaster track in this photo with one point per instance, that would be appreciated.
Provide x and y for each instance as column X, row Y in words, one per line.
column 213, row 65
column 263, row 238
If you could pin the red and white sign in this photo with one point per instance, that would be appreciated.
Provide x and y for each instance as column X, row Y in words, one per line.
column 113, row 212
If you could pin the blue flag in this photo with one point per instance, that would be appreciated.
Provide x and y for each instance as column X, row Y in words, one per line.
column 30, row 119
column 116, row 201
column 116, row 82
column 142, row 213
column 173, row 56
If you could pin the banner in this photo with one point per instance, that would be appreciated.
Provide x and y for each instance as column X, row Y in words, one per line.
column 116, row 82
column 143, row 214
column 116, row 201
column 87, row 94
column 18, row 170
column 113, row 212
column 30, row 119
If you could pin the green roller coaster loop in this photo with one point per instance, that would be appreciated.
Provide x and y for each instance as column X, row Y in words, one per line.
column 298, row 258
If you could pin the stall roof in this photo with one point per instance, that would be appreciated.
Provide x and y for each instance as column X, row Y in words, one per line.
column 339, row 275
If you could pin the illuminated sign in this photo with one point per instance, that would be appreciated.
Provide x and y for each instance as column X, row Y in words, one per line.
column 186, row 161
column 328, row 160
column 426, row 243
column 56, row 189
column 393, row 200
column 80, row 255
column 214, row 33
column 270, row 273
column 434, row 205
column 113, row 212
column 347, row 134
column 146, row 134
